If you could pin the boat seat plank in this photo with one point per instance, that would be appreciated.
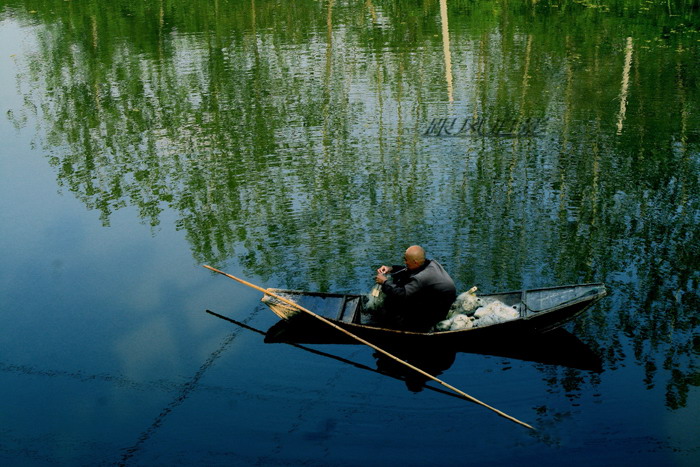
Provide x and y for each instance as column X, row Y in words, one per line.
column 348, row 309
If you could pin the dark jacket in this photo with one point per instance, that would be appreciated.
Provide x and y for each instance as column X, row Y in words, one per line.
column 417, row 300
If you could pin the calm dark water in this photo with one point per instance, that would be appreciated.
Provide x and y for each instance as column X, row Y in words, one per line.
column 301, row 145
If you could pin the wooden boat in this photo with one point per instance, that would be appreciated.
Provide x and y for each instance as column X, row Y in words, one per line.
column 539, row 310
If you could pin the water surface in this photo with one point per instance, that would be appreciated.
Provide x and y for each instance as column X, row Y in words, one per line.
column 301, row 145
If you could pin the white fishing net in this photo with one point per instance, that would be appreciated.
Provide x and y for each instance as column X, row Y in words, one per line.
column 470, row 311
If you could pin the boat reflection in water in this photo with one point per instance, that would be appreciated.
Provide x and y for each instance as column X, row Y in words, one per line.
column 557, row 347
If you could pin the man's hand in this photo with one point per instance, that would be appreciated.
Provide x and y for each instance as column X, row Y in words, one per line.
column 381, row 278
column 384, row 270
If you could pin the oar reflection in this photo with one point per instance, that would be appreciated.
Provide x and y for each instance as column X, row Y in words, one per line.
column 383, row 368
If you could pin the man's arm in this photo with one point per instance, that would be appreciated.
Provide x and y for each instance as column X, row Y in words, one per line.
column 401, row 291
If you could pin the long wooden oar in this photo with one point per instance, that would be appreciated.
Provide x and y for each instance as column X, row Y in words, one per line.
column 369, row 344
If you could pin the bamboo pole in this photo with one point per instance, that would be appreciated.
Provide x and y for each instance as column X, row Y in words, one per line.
column 369, row 344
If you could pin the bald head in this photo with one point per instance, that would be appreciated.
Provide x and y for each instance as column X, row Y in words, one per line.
column 414, row 257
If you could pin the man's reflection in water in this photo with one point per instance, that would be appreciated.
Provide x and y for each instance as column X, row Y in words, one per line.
column 433, row 361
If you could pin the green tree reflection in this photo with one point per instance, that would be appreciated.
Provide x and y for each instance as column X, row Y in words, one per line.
column 294, row 134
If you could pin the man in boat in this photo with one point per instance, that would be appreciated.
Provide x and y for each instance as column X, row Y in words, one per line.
column 419, row 295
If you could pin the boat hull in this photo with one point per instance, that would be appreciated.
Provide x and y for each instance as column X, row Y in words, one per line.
column 540, row 310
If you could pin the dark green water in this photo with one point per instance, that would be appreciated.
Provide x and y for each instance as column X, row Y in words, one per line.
column 301, row 145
